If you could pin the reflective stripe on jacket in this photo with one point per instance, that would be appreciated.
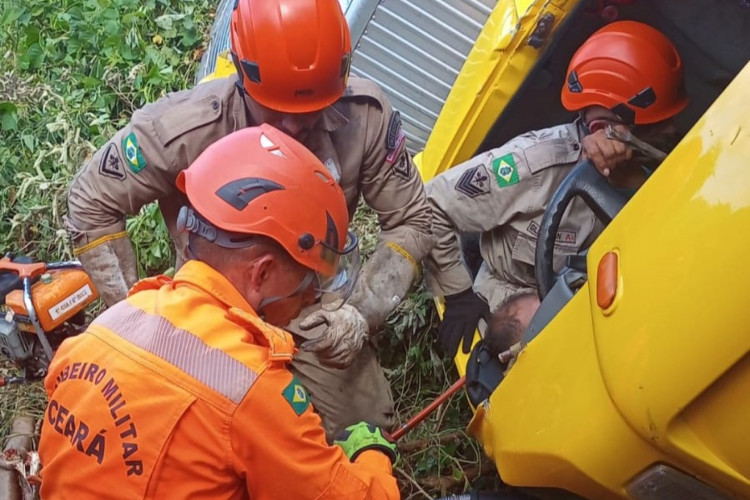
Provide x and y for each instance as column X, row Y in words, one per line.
column 181, row 391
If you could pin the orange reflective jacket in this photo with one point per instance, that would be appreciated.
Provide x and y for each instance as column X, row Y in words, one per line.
column 181, row 391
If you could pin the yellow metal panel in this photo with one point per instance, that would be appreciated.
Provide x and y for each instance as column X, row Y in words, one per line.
column 682, row 320
column 494, row 70
column 713, row 428
column 224, row 68
column 551, row 423
column 662, row 377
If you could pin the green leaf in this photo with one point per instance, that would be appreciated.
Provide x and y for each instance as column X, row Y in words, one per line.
column 90, row 83
column 29, row 141
column 130, row 18
column 458, row 474
column 167, row 21
column 38, row 10
column 11, row 15
column 32, row 57
column 131, row 39
column 8, row 116
column 110, row 15
column 32, row 35
column 9, row 122
column 7, row 107
column 189, row 38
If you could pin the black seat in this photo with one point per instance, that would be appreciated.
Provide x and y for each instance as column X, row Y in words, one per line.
column 484, row 372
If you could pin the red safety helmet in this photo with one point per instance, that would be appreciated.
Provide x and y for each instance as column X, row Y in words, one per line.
column 630, row 68
column 292, row 55
column 260, row 181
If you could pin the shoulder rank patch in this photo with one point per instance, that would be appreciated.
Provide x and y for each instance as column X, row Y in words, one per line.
column 111, row 164
column 395, row 137
column 474, row 182
column 133, row 154
column 297, row 396
column 506, row 173
column 402, row 166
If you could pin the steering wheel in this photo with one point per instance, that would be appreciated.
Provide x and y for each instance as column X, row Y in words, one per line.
column 600, row 196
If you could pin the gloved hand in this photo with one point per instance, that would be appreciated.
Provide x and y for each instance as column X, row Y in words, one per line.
column 462, row 313
column 112, row 267
column 364, row 436
column 342, row 341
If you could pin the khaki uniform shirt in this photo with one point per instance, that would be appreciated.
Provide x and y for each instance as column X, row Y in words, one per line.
column 503, row 194
column 358, row 138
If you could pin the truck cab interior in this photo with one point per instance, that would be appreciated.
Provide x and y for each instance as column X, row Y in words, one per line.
column 712, row 37
column 578, row 410
column 713, row 40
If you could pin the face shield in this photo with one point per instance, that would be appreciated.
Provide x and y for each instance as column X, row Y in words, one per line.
column 334, row 290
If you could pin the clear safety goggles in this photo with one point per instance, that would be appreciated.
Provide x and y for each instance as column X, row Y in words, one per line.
column 333, row 291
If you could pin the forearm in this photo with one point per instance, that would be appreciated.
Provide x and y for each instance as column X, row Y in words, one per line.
column 405, row 239
column 99, row 238
column 111, row 264
column 445, row 273
column 383, row 282
column 285, row 454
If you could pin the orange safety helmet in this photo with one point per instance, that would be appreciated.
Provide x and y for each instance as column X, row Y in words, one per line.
column 260, row 181
column 292, row 56
column 630, row 68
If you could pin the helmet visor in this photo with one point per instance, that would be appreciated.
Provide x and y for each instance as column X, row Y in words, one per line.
column 334, row 290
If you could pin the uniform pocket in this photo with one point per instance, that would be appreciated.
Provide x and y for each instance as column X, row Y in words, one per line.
column 522, row 259
column 186, row 116
column 550, row 153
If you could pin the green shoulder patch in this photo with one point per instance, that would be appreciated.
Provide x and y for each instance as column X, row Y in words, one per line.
column 133, row 154
column 506, row 173
column 297, row 396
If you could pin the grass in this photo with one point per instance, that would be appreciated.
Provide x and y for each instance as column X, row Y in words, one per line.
column 74, row 72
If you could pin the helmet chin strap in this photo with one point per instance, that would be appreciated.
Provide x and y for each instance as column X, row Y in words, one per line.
column 304, row 284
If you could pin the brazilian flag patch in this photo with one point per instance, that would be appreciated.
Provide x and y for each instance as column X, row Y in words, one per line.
column 506, row 173
column 133, row 154
column 297, row 396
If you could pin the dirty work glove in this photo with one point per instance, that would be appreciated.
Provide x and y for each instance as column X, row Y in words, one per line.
column 342, row 341
column 462, row 313
column 364, row 436
column 112, row 267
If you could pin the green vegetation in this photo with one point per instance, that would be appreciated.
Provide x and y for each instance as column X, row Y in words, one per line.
column 74, row 72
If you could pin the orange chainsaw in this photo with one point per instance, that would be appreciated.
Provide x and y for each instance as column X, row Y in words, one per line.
column 41, row 304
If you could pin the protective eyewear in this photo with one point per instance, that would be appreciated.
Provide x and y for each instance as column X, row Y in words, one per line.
column 334, row 290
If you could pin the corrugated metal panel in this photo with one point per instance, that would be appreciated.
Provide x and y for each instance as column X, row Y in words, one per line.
column 413, row 49
column 218, row 40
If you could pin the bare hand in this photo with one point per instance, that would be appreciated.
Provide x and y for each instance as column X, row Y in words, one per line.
column 606, row 154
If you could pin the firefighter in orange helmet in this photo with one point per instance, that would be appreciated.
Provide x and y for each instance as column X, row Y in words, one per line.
column 182, row 390
column 293, row 59
column 627, row 75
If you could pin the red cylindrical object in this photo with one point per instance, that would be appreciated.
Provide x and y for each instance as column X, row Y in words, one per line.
column 428, row 409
